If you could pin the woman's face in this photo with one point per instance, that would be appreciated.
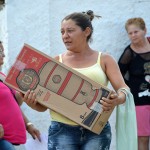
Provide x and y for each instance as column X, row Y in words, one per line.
column 135, row 33
column 72, row 35
column 2, row 55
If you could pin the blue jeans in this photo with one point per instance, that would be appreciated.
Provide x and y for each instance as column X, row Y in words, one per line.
column 66, row 137
column 5, row 145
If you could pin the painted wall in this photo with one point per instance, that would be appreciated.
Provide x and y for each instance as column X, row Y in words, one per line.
column 38, row 24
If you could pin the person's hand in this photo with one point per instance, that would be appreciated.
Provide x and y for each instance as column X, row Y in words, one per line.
column 30, row 98
column 114, row 100
column 1, row 131
column 34, row 132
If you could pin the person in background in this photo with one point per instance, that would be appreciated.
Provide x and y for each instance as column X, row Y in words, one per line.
column 76, row 30
column 134, row 64
column 13, row 122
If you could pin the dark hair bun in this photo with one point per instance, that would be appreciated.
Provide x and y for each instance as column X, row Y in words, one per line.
column 91, row 14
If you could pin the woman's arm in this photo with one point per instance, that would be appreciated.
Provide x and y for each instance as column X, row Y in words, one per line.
column 18, row 98
column 112, row 71
column 124, row 63
column 34, row 132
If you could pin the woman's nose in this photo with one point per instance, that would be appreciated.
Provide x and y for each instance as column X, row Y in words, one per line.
column 65, row 35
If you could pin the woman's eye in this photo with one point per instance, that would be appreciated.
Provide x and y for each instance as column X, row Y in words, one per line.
column 70, row 31
column 136, row 32
column 67, row 31
column 62, row 32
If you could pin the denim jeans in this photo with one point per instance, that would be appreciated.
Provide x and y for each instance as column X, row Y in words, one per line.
column 5, row 145
column 66, row 137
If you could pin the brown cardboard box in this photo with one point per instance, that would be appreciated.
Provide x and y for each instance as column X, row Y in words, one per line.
column 59, row 88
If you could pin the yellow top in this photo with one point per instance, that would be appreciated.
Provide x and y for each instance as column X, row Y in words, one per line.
column 94, row 72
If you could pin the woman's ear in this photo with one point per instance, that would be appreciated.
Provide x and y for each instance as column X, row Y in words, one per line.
column 87, row 31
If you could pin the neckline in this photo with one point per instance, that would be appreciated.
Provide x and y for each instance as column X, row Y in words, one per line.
column 86, row 67
column 148, row 38
column 137, row 52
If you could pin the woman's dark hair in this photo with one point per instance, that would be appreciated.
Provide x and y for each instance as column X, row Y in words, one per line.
column 83, row 20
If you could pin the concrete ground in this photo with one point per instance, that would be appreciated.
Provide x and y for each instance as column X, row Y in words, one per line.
column 42, row 121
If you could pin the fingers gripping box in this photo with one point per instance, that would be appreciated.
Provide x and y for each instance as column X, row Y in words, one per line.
column 60, row 88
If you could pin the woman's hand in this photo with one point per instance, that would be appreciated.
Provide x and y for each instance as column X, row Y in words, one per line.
column 1, row 131
column 114, row 100
column 30, row 98
column 33, row 131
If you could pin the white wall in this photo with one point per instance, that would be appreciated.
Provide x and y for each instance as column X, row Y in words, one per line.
column 109, row 34
column 3, row 27
column 38, row 24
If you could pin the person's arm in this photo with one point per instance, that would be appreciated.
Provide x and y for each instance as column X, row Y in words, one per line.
column 18, row 98
column 124, row 63
column 1, row 131
column 113, row 73
column 34, row 132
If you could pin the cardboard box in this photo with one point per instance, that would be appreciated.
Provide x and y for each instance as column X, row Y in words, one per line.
column 59, row 88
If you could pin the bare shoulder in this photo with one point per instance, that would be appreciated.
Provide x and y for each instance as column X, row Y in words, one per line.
column 107, row 58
